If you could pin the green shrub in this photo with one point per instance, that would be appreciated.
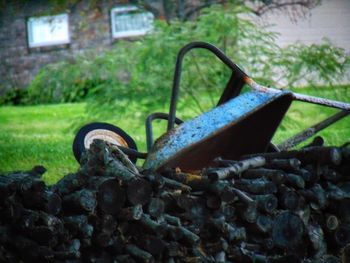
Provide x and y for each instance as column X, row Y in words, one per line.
column 14, row 96
column 66, row 81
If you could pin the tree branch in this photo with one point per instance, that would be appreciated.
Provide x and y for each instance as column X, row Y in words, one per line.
column 273, row 5
column 196, row 9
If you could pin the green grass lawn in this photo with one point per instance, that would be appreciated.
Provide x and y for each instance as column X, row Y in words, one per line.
column 43, row 134
column 33, row 135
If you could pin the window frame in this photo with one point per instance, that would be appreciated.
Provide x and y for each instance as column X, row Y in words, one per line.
column 30, row 30
column 129, row 33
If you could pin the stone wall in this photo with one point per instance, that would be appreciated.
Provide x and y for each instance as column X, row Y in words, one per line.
column 89, row 29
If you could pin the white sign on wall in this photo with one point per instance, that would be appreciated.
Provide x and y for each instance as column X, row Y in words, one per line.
column 130, row 21
column 48, row 30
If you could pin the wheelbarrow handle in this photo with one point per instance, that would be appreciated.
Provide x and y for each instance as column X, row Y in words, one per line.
column 237, row 75
column 322, row 101
column 301, row 97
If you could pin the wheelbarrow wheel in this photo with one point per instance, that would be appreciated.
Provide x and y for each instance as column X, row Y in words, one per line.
column 103, row 131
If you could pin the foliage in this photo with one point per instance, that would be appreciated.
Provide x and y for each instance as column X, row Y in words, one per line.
column 14, row 96
column 140, row 72
column 314, row 64
column 66, row 81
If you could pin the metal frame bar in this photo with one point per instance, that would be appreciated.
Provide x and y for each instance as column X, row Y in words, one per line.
column 149, row 128
column 132, row 152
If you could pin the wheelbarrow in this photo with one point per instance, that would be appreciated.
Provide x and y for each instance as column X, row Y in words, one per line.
column 240, row 124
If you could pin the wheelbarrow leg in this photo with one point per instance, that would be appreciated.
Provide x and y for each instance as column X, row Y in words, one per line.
column 311, row 131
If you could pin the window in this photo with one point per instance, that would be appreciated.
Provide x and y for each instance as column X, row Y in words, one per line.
column 130, row 21
column 48, row 30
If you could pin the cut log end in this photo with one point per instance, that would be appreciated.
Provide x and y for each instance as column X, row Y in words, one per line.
column 288, row 230
column 139, row 191
column 111, row 196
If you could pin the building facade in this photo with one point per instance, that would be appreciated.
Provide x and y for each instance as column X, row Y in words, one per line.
column 330, row 19
column 33, row 35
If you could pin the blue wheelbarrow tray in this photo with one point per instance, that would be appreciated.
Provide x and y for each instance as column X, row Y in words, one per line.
column 242, row 125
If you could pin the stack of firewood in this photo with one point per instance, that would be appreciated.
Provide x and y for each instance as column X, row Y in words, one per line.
column 274, row 207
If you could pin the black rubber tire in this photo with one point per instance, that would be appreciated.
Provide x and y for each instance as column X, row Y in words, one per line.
column 78, row 143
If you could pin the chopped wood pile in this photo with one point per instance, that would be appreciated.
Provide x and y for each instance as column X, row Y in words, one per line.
column 274, row 207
